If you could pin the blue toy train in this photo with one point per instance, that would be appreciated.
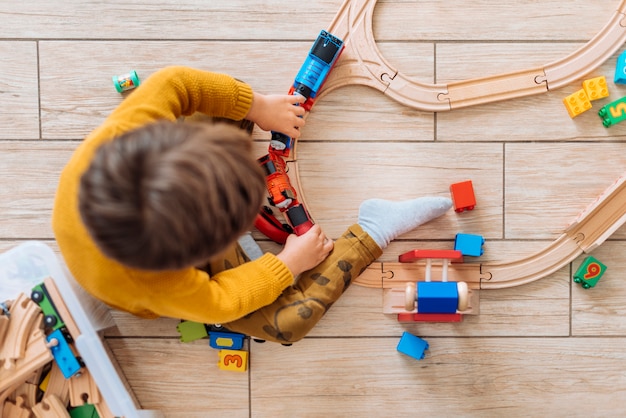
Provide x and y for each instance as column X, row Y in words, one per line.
column 322, row 57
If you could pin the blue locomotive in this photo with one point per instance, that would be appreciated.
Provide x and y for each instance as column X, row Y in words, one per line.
column 322, row 57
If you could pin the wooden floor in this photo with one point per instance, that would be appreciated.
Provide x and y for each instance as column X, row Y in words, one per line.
column 548, row 348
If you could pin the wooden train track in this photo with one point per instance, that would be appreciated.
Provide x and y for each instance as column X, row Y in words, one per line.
column 590, row 229
column 362, row 63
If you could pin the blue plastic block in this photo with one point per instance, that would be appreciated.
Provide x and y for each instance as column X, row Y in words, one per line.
column 229, row 340
column 437, row 297
column 469, row 244
column 63, row 354
column 412, row 346
column 620, row 69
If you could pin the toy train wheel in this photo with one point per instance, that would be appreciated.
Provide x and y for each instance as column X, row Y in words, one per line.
column 463, row 292
column 49, row 321
column 410, row 295
column 36, row 296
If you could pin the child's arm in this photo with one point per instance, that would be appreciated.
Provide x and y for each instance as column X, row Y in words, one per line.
column 223, row 297
column 233, row 293
column 181, row 91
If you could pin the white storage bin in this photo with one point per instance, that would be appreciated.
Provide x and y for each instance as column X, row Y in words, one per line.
column 29, row 264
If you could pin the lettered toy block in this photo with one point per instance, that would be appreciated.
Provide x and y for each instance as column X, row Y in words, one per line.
column 596, row 88
column 590, row 272
column 613, row 112
column 620, row 69
column 469, row 244
column 577, row 103
column 463, row 197
column 412, row 346
column 234, row 360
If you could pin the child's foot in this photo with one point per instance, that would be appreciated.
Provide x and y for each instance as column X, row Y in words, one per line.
column 385, row 220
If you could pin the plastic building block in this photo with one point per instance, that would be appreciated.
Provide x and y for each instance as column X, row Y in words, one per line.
column 231, row 340
column 589, row 273
column 469, row 244
column 596, row 88
column 412, row 346
column 577, row 103
column 234, row 360
column 437, row 297
column 191, row 331
column 463, row 196
column 620, row 69
column 422, row 317
column 63, row 355
column 613, row 112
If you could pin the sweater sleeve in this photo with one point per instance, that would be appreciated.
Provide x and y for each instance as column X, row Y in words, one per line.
column 224, row 297
column 181, row 91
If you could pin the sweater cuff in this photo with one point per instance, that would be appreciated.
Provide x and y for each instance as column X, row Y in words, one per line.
column 277, row 268
column 244, row 101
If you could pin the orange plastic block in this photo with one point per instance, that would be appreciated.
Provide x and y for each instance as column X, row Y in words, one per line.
column 577, row 103
column 596, row 88
column 414, row 255
column 234, row 360
column 463, row 196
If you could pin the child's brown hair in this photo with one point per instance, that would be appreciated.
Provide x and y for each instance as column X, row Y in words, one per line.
column 171, row 195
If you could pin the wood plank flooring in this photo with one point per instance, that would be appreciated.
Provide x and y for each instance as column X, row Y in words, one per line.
column 548, row 348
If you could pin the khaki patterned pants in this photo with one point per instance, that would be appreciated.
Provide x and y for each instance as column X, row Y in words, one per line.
column 296, row 311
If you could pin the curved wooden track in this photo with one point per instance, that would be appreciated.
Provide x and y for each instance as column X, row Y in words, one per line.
column 362, row 63
column 594, row 225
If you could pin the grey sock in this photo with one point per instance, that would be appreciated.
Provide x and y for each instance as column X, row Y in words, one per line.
column 385, row 220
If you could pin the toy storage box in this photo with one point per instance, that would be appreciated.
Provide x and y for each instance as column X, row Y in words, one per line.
column 27, row 265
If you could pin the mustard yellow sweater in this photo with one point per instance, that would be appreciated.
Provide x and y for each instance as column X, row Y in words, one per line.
column 188, row 293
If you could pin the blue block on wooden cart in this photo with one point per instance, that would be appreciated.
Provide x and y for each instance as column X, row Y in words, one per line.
column 437, row 297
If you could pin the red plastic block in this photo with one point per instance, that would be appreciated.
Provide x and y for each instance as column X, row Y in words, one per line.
column 422, row 317
column 410, row 256
column 463, row 196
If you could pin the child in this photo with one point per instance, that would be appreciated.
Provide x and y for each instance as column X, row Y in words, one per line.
column 145, row 201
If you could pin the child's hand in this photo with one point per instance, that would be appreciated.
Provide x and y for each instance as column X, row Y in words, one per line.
column 304, row 252
column 276, row 112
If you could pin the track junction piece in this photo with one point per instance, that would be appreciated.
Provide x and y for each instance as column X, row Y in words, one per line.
column 361, row 63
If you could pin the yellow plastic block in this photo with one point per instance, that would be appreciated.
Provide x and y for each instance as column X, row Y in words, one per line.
column 235, row 360
column 596, row 88
column 577, row 103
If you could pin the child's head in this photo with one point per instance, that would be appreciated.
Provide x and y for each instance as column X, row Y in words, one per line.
column 171, row 195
